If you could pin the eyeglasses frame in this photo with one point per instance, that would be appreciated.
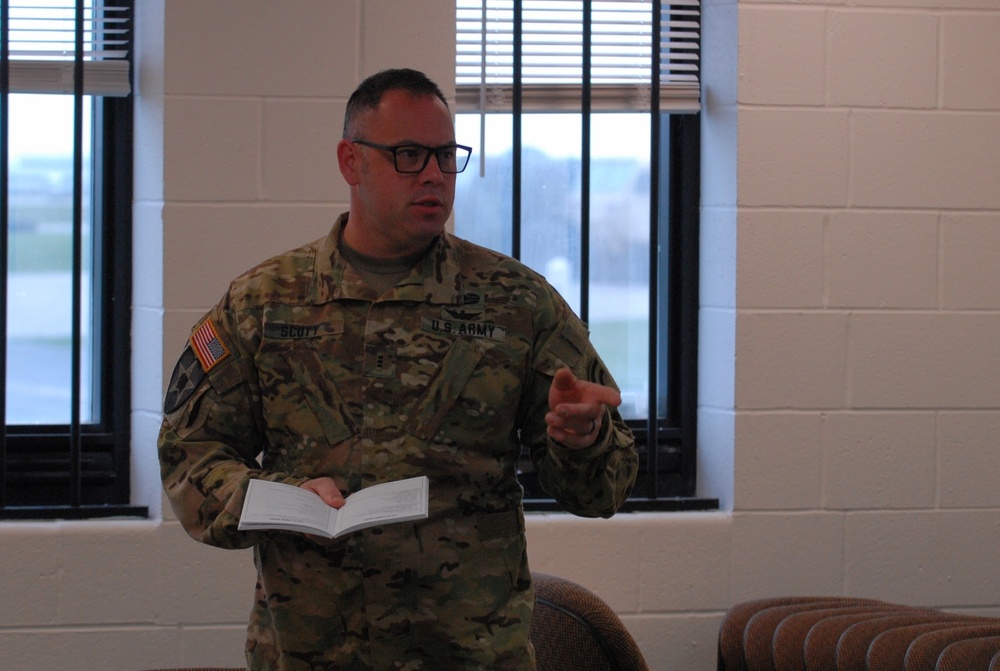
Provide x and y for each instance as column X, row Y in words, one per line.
column 431, row 151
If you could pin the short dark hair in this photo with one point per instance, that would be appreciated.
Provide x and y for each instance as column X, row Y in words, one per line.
column 369, row 93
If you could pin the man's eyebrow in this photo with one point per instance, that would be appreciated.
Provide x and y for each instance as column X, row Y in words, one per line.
column 402, row 143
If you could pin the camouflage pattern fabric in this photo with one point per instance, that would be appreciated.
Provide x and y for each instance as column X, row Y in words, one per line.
column 301, row 372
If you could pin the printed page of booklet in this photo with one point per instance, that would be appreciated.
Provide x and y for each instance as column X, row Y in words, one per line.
column 276, row 505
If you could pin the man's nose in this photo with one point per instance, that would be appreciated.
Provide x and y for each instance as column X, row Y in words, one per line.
column 432, row 171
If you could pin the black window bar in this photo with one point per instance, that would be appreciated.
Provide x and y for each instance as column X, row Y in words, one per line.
column 652, row 425
column 78, row 470
column 4, row 182
column 77, row 265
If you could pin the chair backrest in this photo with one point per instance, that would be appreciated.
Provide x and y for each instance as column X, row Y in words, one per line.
column 572, row 629
column 835, row 633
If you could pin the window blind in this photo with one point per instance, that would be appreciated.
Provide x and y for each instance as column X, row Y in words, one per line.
column 552, row 57
column 42, row 42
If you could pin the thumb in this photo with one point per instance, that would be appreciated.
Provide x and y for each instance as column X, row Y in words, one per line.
column 326, row 489
column 563, row 388
column 564, row 380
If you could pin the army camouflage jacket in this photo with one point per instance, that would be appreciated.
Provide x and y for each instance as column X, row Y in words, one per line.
column 301, row 372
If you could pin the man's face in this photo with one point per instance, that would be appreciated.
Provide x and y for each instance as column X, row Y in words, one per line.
column 393, row 213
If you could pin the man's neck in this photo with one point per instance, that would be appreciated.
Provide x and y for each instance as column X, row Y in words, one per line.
column 379, row 273
column 362, row 242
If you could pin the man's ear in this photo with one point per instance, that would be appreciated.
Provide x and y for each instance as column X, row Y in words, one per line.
column 349, row 159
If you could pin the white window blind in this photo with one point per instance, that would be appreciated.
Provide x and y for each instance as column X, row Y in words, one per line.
column 552, row 46
column 42, row 45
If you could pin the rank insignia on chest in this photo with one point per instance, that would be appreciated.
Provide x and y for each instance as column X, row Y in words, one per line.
column 207, row 345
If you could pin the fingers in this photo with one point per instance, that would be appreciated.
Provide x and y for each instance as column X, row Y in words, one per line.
column 326, row 489
column 606, row 395
column 575, row 426
column 577, row 409
column 559, row 428
column 567, row 388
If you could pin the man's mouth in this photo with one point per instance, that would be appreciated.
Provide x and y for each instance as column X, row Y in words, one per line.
column 429, row 202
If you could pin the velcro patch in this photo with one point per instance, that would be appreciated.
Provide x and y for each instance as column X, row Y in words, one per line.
column 498, row 525
column 451, row 327
column 207, row 345
column 290, row 323
column 293, row 331
column 188, row 374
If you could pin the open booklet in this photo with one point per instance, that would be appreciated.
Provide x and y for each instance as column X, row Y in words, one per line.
column 275, row 505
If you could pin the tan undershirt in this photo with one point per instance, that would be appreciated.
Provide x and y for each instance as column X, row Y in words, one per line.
column 380, row 274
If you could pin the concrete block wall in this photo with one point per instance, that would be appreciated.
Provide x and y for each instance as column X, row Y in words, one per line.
column 865, row 216
column 850, row 316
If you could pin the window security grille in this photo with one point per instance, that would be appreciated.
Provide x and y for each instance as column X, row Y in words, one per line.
column 582, row 60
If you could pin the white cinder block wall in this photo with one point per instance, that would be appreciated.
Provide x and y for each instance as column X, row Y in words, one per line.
column 850, row 404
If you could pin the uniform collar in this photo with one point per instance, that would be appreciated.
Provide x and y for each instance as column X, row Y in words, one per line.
column 435, row 279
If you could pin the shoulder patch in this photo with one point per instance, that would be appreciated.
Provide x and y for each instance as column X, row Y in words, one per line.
column 188, row 374
column 208, row 346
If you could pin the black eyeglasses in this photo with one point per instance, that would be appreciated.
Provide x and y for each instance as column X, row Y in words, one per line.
column 411, row 158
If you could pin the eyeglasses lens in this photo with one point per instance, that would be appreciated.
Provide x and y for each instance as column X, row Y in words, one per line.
column 415, row 159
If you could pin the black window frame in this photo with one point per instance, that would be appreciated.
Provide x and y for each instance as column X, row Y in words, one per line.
column 667, row 444
column 667, row 474
column 81, row 470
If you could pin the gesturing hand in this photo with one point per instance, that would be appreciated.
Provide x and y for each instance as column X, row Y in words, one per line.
column 576, row 409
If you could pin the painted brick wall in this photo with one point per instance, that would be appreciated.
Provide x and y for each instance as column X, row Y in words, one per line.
column 851, row 314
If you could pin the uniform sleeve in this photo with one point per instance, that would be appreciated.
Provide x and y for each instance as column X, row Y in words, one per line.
column 211, row 436
column 590, row 482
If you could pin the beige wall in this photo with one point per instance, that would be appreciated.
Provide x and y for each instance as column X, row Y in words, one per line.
column 850, row 344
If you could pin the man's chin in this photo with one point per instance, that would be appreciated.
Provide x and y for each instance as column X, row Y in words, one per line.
column 431, row 223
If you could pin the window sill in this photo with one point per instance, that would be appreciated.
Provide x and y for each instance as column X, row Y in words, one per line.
column 664, row 505
column 74, row 512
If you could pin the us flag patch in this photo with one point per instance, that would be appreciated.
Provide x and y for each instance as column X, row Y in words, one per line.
column 208, row 346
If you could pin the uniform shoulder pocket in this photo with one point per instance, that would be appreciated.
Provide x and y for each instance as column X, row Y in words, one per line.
column 564, row 348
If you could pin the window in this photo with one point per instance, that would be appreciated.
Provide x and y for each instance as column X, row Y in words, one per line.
column 65, row 247
column 588, row 171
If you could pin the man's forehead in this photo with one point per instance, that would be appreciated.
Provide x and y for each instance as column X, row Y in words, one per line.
column 401, row 98
column 411, row 117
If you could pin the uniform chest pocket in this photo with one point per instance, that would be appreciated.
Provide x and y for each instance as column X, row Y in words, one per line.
column 300, row 369
column 444, row 389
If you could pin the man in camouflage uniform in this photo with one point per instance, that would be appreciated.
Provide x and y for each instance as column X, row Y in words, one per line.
column 386, row 350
